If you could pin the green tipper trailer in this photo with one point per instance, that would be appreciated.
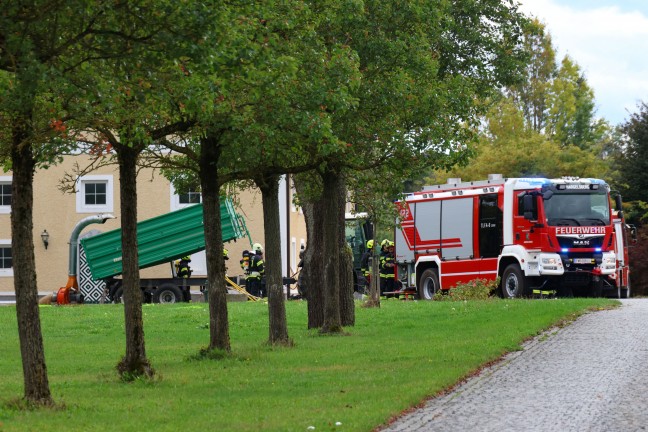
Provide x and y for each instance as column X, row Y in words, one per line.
column 161, row 239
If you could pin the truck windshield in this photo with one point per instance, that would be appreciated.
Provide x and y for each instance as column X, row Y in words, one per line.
column 577, row 209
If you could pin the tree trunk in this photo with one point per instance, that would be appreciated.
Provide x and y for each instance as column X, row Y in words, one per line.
column 36, row 383
column 311, row 273
column 134, row 364
column 330, row 185
column 278, row 331
column 347, row 303
column 374, row 288
column 219, row 337
column 345, row 270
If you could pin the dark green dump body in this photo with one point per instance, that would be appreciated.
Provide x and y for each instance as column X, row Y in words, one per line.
column 160, row 239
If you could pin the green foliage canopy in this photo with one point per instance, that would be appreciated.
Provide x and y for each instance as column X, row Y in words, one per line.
column 632, row 157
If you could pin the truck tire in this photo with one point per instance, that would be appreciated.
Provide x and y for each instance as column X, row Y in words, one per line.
column 514, row 283
column 167, row 294
column 428, row 284
column 624, row 293
column 597, row 289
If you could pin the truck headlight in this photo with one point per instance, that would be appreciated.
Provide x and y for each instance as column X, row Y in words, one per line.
column 550, row 263
column 608, row 262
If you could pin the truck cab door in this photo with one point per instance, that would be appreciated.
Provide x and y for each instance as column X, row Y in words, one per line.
column 525, row 220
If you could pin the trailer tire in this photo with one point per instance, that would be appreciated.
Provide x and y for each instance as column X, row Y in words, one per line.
column 428, row 284
column 118, row 297
column 514, row 283
column 167, row 294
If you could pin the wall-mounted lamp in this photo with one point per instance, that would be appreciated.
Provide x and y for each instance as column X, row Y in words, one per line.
column 45, row 237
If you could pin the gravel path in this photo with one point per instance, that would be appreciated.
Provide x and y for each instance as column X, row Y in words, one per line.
column 589, row 376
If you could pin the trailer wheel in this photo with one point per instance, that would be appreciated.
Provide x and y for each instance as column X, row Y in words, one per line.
column 428, row 284
column 514, row 283
column 118, row 296
column 167, row 294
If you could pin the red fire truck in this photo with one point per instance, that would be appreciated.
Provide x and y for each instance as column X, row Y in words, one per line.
column 535, row 234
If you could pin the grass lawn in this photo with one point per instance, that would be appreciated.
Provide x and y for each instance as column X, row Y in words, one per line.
column 394, row 358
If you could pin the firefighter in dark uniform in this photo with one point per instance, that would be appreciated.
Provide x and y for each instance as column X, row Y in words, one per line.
column 365, row 269
column 225, row 258
column 387, row 274
column 182, row 267
column 184, row 271
column 257, row 271
column 245, row 266
column 245, row 262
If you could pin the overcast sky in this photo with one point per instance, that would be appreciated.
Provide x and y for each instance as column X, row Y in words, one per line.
column 609, row 41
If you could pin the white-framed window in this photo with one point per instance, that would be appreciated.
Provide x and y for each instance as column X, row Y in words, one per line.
column 94, row 194
column 5, row 194
column 6, row 260
column 185, row 199
column 190, row 197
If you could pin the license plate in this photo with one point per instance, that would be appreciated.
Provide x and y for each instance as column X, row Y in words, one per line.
column 582, row 260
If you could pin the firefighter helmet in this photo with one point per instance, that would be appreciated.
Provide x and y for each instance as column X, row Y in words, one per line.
column 186, row 258
column 384, row 243
column 257, row 247
column 370, row 244
column 225, row 254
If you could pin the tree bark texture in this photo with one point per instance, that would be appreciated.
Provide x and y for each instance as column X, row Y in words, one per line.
column 347, row 303
column 32, row 352
column 331, row 185
column 219, row 337
column 278, row 326
column 311, row 272
column 313, row 263
column 374, row 288
column 134, row 364
column 345, row 267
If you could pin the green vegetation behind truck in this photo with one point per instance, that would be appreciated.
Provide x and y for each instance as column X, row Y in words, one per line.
column 161, row 239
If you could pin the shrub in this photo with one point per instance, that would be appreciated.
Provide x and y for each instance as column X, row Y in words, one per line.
column 476, row 289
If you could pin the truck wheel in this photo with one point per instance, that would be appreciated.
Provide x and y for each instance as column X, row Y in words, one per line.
column 514, row 283
column 428, row 284
column 624, row 293
column 167, row 294
column 597, row 289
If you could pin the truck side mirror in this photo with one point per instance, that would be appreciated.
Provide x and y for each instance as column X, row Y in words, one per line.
column 527, row 201
column 618, row 203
